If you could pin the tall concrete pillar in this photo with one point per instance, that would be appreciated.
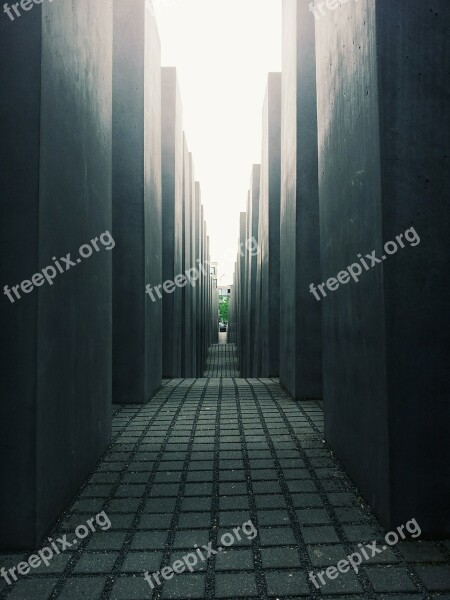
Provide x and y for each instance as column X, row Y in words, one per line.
column 269, row 231
column 55, row 348
column 384, row 187
column 186, row 333
column 300, row 323
column 242, row 258
column 251, row 268
column 172, row 221
column 198, row 257
column 137, row 260
column 194, row 265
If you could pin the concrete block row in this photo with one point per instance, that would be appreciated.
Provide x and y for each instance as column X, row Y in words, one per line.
column 363, row 246
column 94, row 164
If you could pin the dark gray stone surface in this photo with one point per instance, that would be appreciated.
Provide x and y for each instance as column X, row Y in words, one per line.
column 251, row 324
column 383, row 139
column 186, row 332
column 172, row 220
column 268, row 331
column 137, row 260
column 55, row 151
column 165, row 495
column 300, row 323
column 192, row 314
column 198, row 295
column 241, row 295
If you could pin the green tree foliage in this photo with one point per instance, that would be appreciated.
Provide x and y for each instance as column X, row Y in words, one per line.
column 223, row 309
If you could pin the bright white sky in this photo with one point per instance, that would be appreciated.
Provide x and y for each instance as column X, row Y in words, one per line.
column 223, row 51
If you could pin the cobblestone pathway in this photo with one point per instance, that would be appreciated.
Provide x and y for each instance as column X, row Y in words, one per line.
column 203, row 458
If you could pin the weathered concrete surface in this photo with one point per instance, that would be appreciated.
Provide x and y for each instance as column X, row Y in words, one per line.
column 242, row 290
column 268, row 319
column 186, row 335
column 137, row 260
column 55, row 101
column 300, row 323
column 251, row 270
column 172, row 220
column 383, row 146
column 193, row 291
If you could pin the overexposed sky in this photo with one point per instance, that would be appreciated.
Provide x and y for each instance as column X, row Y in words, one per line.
column 223, row 51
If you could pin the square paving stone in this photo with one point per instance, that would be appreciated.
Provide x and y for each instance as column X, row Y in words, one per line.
column 57, row 565
column 360, row 533
column 275, row 501
column 234, row 502
column 154, row 540
column 188, row 539
column 86, row 589
column 96, row 563
column 306, row 500
column 325, row 556
column 200, row 476
column 302, row 485
column 129, row 505
column 185, row 586
column 233, row 518
column 237, row 585
column 274, row 558
column 421, row 552
column 192, row 520
column 181, row 554
column 313, row 517
column 137, row 562
column 197, row 504
column 319, row 535
column 273, row 517
column 131, row 588
column 163, row 505
column 123, row 521
column 107, row 541
column 287, row 583
column 198, row 489
column 233, row 489
column 276, row 536
column 160, row 490
column 346, row 583
column 350, row 515
column 157, row 521
column 235, row 560
column 390, row 579
column 435, row 578
column 32, row 589
column 225, row 476
column 344, row 499
column 244, row 541
column 266, row 487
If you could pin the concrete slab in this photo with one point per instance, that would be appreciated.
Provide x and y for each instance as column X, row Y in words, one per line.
column 137, row 220
column 300, row 323
column 383, row 140
column 268, row 331
column 172, row 219
column 55, row 100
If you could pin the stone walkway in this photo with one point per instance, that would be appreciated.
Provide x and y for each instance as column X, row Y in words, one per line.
column 222, row 359
column 203, row 458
